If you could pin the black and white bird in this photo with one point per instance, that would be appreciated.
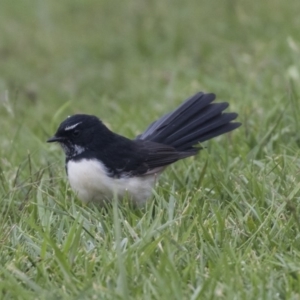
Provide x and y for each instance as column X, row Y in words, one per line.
column 101, row 164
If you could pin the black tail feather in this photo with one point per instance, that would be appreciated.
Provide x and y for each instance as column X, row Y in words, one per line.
column 217, row 124
column 207, row 136
column 159, row 128
column 200, row 121
column 194, row 121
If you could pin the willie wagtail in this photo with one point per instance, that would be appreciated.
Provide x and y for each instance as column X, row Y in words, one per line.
column 101, row 164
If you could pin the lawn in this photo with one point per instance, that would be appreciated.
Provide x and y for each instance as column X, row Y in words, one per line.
column 222, row 225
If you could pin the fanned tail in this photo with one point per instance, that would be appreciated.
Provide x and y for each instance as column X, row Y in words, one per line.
column 196, row 120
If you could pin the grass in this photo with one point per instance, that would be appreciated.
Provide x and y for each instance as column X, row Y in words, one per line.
column 222, row 225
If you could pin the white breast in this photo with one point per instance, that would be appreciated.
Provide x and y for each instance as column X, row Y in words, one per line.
column 89, row 179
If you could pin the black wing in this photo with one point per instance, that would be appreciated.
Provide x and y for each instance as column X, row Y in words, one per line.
column 154, row 156
column 126, row 157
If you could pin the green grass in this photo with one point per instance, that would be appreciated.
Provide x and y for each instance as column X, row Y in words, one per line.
column 222, row 225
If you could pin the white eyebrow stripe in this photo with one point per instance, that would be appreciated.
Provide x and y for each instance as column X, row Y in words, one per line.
column 72, row 126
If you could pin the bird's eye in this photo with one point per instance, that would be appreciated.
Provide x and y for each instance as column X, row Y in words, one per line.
column 76, row 133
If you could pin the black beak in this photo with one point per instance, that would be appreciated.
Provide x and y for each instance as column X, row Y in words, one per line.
column 55, row 139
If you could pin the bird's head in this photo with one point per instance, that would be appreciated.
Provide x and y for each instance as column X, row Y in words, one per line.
column 78, row 133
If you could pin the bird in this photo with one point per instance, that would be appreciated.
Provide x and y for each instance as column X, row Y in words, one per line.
column 102, row 165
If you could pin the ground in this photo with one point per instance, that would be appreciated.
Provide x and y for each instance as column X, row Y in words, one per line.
column 222, row 225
